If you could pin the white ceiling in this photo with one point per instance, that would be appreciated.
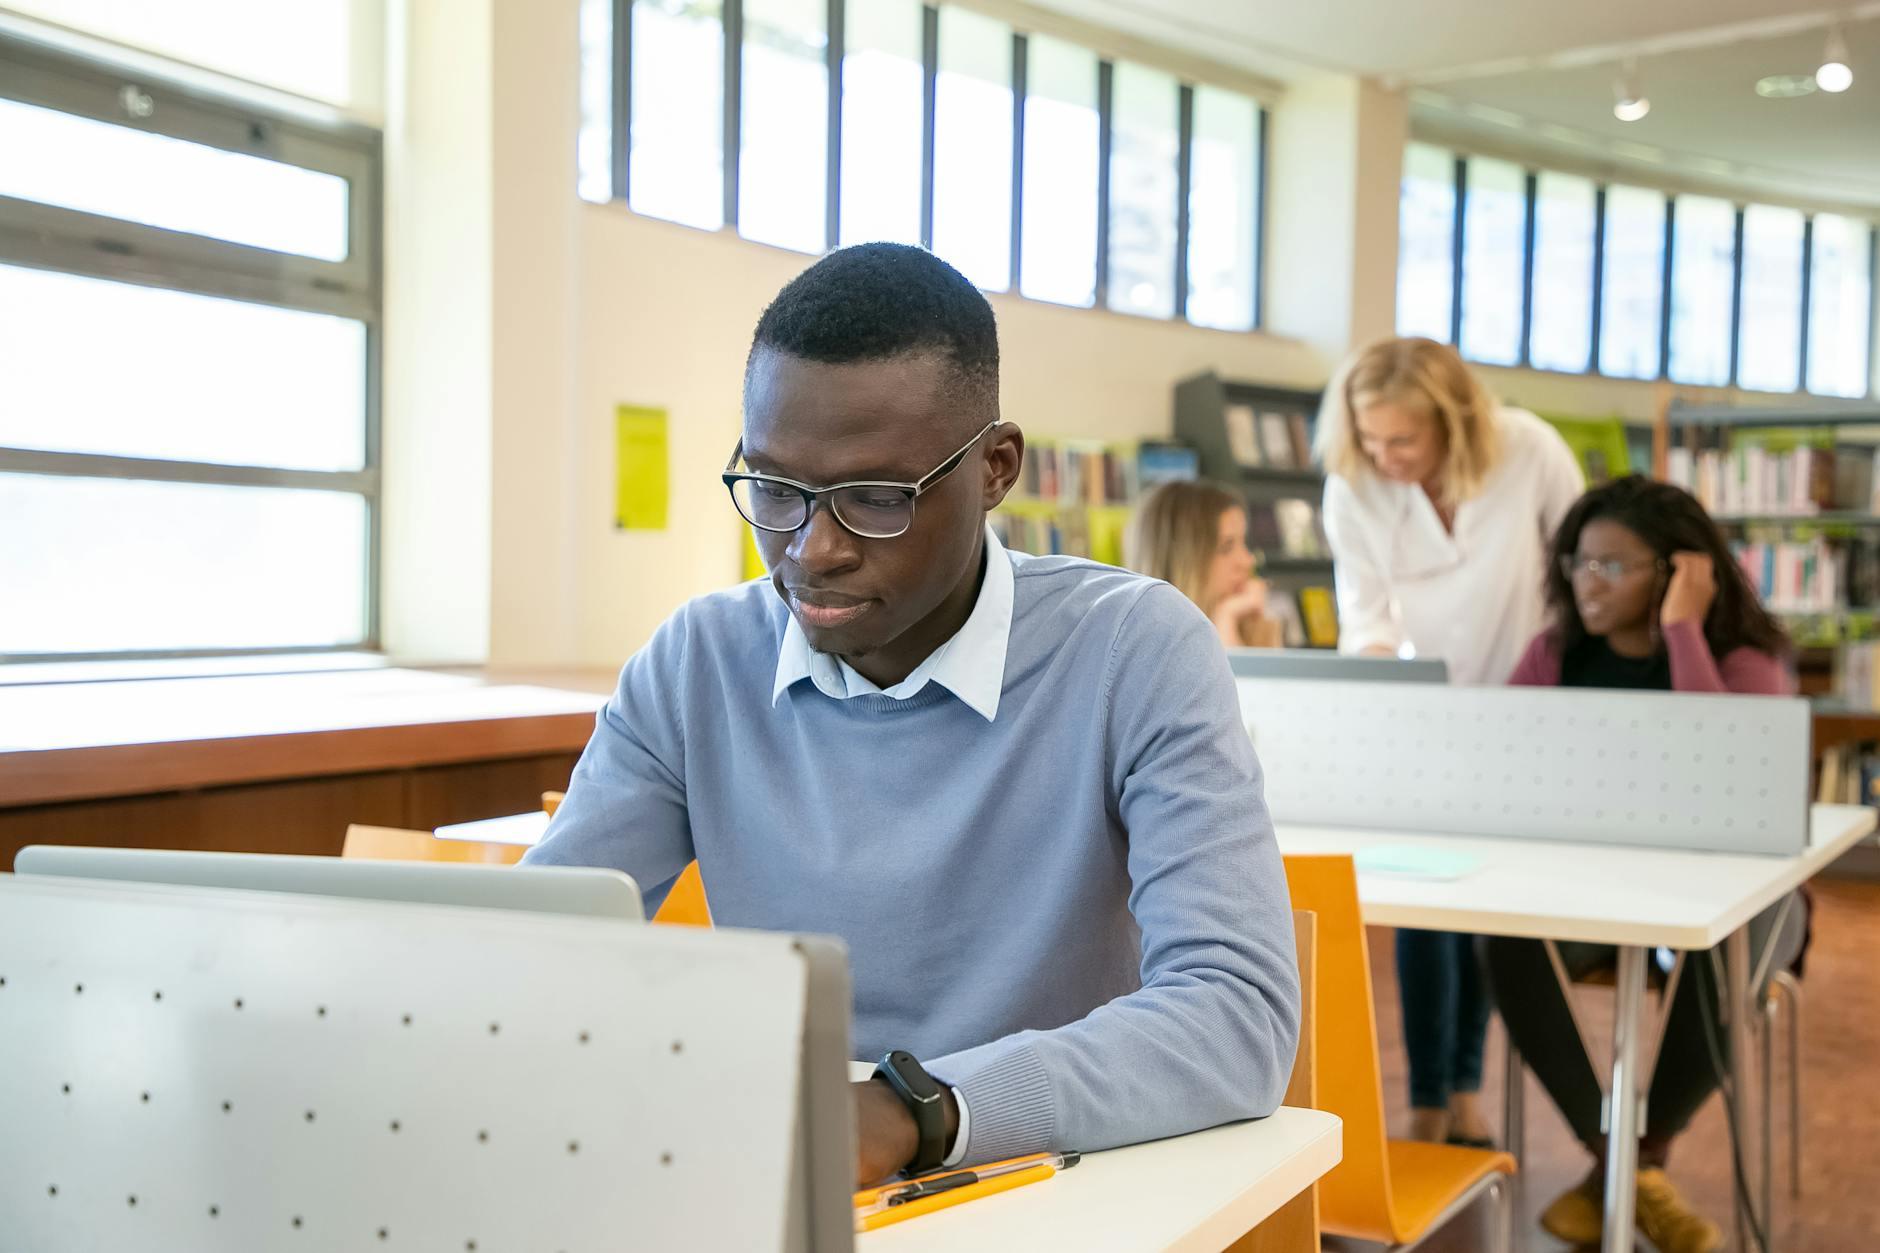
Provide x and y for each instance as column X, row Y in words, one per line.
column 1537, row 75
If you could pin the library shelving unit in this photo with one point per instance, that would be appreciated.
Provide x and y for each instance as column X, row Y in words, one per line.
column 1257, row 439
column 1795, row 487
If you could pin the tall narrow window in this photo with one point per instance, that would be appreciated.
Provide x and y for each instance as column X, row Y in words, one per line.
column 1632, row 287
column 783, row 154
column 188, row 331
column 1769, row 330
column 1493, row 234
column 1561, row 337
column 1703, row 272
column 882, row 89
column 1145, row 142
column 972, row 164
column 594, row 142
column 1223, row 209
column 1840, row 307
column 676, row 155
column 1426, row 230
column 1060, row 233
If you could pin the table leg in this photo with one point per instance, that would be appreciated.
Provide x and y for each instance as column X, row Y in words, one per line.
column 1622, row 1102
column 1738, row 972
column 1513, row 1101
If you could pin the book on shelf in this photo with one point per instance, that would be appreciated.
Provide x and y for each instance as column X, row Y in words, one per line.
column 1276, row 441
column 1320, row 612
column 1850, row 775
column 1089, row 472
column 1158, row 463
column 1794, row 575
column 1243, row 435
column 1301, row 533
column 1283, row 607
column 1787, row 472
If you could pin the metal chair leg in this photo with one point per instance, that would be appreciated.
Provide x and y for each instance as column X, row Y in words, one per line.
column 1792, row 990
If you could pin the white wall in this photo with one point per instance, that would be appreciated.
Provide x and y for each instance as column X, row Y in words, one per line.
column 665, row 318
column 518, row 317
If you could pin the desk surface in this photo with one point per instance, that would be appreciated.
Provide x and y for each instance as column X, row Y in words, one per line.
column 1602, row 893
column 1195, row 1192
column 70, row 741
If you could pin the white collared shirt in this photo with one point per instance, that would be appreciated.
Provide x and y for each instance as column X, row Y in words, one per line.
column 971, row 665
column 1472, row 595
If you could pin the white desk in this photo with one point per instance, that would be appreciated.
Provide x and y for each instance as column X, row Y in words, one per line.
column 1602, row 893
column 1635, row 898
column 1192, row 1194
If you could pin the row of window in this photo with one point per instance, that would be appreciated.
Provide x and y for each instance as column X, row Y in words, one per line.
column 189, row 323
column 1561, row 273
column 1025, row 161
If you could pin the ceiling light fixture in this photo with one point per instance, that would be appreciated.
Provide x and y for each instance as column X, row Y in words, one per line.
column 1629, row 103
column 1785, row 86
column 1834, row 74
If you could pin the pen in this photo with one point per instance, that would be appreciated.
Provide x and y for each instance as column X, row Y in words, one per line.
column 902, row 1194
column 869, row 1221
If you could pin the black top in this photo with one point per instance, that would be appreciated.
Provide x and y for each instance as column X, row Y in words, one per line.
column 1593, row 664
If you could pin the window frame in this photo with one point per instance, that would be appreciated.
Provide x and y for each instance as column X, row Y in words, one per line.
column 35, row 235
column 732, row 11
column 1601, row 184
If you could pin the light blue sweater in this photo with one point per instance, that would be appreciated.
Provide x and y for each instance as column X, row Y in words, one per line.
column 1075, row 914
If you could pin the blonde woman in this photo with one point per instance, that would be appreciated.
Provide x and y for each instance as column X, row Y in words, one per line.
column 1440, row 506
column 1194, row 536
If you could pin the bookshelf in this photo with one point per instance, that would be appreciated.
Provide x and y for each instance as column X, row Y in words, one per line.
column 1257, row 439
column 1075, row 496
column 1797, row 489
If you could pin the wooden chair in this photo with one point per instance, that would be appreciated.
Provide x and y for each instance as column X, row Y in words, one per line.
column 684, row 906
column 1294, row 1226
column 1393, row 1192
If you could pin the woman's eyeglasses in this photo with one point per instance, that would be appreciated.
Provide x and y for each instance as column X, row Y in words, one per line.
column 1608, row 569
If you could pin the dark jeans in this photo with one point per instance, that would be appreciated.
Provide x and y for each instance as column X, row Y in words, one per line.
column 1535, row 1012
column 1445, row 1014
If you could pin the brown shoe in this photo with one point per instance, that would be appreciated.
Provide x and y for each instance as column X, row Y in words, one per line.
column 1576, row 1215
column 1668, row 1222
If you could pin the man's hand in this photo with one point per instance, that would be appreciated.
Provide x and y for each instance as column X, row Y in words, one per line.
column 886, row 1138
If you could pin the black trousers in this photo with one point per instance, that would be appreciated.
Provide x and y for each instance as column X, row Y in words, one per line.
column 1535, row 1012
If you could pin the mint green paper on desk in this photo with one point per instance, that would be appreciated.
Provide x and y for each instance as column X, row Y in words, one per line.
column 1407, row 861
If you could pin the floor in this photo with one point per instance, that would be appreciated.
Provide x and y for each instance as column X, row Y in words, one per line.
column 1840, row 1207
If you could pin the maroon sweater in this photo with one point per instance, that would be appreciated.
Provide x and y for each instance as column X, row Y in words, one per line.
column 1746, row 671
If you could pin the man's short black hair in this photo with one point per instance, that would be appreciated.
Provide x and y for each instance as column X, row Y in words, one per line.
column 872, row 302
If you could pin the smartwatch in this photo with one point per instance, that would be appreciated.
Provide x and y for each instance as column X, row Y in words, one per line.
column 921, row 1094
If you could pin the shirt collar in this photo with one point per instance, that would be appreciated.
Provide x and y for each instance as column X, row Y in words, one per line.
column 971, row 665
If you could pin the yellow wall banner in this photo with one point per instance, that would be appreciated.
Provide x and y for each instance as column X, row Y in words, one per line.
column 640, row 474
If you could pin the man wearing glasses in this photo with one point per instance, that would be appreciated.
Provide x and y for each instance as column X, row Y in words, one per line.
column 1017, row 787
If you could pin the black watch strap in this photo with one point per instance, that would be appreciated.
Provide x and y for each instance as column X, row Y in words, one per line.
column 920, row 1092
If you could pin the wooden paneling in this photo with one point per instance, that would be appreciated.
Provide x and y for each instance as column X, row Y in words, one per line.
column 440, row 795
column 305, row 815
column 53, row 775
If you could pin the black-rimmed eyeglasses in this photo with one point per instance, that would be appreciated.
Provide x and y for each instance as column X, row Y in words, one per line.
column 872, row 510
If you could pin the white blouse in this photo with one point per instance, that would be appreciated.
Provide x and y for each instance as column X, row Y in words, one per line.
column 1474, row 598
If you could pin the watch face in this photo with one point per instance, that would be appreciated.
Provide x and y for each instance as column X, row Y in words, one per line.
column 913, row 1076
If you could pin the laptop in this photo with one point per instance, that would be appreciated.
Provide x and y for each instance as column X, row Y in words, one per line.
column 584, row 891
column 1316, row 663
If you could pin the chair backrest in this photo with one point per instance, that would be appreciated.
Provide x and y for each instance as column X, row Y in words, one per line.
column 399, row 844
column 1294, row 1226
column 684, row 906
column 1355, row 1197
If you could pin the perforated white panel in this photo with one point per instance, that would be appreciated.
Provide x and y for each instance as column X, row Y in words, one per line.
column 1669, row 770
column 197, row 1069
